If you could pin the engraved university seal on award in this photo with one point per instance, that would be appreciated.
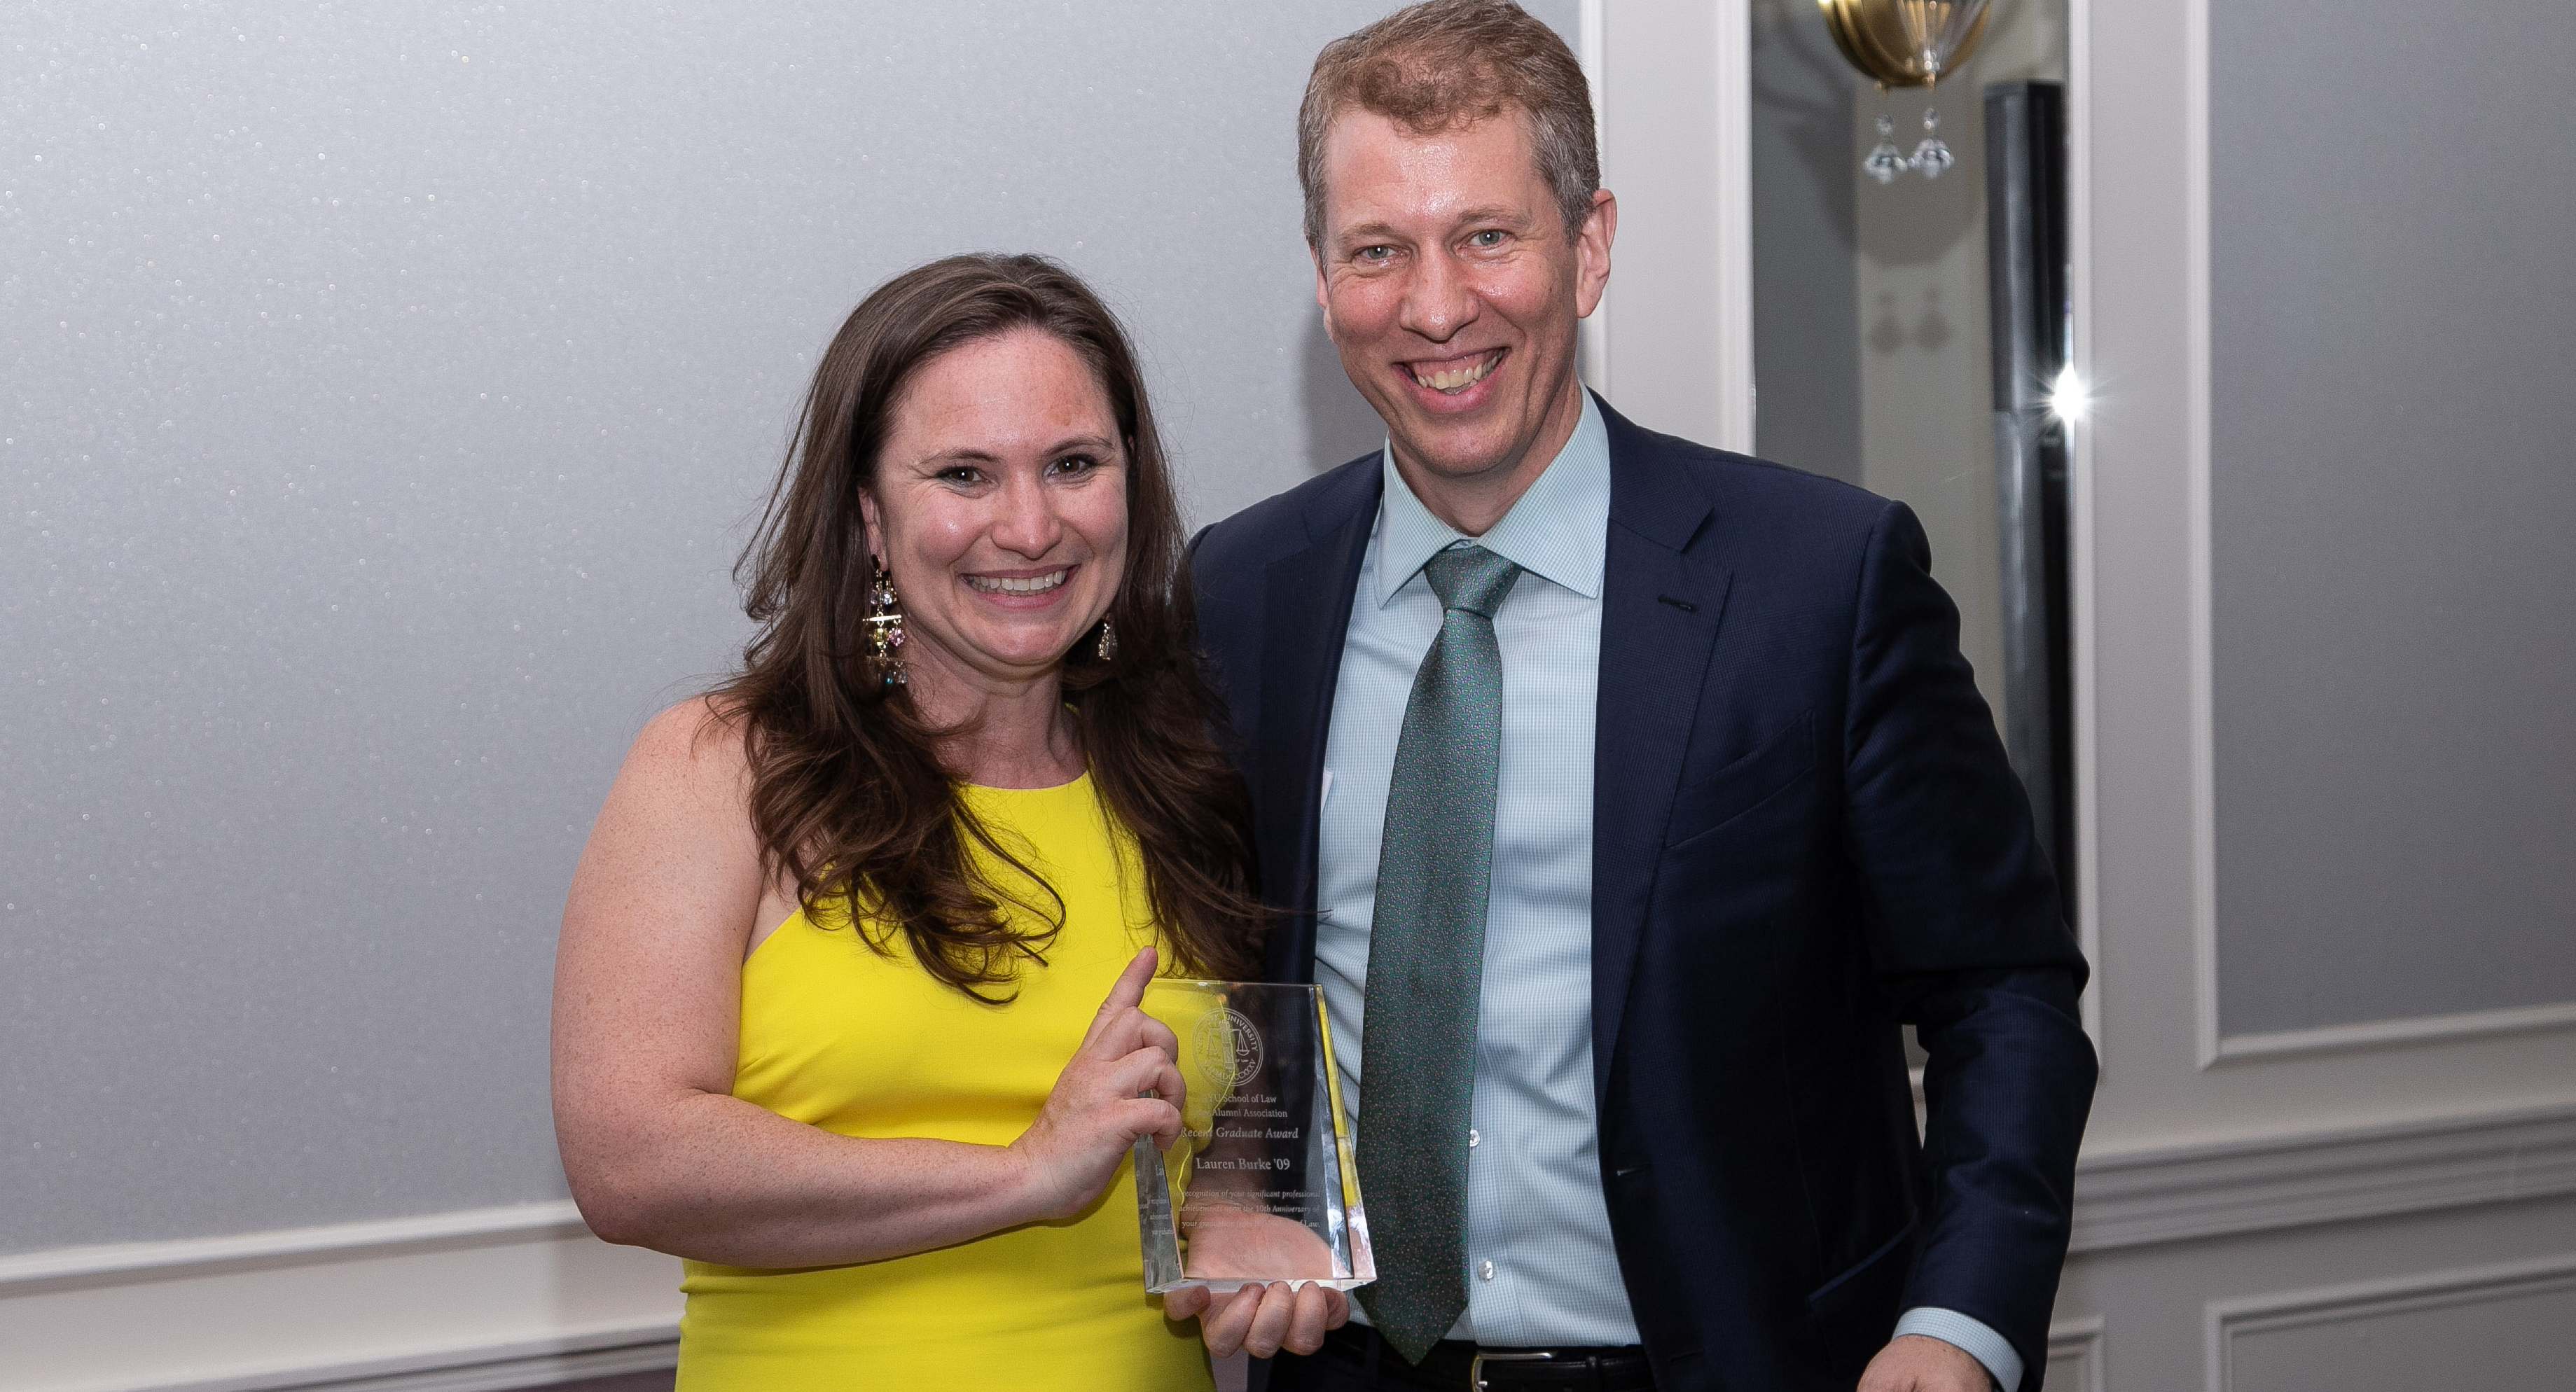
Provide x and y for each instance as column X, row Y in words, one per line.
column 1227, row 1047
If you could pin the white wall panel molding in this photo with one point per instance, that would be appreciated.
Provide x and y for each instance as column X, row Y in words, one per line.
column 2424, row 1156
column 498, row 1298
column 2138, row 185
column 1592, row 344
column 1731, row 64
column 1675, row 331
column 2082, row 626
column 2136, row 1198
column 2214, row 1046
column 2075, row 1355
column 2233, row 1324
column 116, row 1263
column 452, row 1302
column 2376, row 1034
column 2196, row 561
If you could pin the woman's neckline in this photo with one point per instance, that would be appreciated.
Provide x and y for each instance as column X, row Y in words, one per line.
column 1074, row 782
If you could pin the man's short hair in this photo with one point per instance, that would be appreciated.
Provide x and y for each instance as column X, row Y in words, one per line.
column 1449, row 63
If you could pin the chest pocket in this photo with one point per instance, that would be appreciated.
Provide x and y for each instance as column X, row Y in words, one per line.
column 1706, row 804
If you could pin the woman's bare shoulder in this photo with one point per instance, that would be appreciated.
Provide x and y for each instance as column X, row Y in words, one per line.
column 675, row 830
column 696, row 745
column 685, row 780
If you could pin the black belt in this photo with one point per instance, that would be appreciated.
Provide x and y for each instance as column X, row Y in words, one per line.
column 1475, row 1368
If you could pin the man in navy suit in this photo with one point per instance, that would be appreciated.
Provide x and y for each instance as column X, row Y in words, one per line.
column 1625, row 796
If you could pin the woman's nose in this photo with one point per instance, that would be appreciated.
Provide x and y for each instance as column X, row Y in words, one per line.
column 1028, row 524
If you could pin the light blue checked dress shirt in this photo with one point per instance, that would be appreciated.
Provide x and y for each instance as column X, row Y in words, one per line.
column 1541, row 1267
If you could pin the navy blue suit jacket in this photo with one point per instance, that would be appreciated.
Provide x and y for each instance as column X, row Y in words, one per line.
column 1805, row 831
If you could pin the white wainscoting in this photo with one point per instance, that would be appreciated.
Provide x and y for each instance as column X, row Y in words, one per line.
column 2487, row 1326
column 2140, row 1197
column 514, row 1297
column 2075, row 1356
column 453, row 1302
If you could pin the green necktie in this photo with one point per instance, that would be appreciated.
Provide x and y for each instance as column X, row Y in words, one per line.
column 1426, row 961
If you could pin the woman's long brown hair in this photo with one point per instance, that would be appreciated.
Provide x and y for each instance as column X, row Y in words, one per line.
column 849, row 796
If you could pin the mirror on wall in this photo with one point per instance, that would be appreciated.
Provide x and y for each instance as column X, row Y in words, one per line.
column 1910, row 322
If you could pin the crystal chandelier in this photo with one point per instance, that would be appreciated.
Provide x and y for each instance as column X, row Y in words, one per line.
column 1906, row 43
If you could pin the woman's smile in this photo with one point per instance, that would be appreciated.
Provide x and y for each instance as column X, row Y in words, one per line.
column 1019, row 585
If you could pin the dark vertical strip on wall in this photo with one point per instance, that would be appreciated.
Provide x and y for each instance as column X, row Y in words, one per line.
column 2026, row 289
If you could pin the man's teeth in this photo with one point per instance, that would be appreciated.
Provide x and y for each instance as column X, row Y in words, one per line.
column 1032, row 585
column 1458, row 379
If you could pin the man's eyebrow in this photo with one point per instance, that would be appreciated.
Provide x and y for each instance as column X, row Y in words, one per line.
column 1503, row 213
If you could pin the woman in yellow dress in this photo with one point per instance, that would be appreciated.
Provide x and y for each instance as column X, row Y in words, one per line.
column 846, row 1001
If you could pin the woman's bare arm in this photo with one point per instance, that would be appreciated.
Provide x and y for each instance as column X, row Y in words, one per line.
column 660, row 1153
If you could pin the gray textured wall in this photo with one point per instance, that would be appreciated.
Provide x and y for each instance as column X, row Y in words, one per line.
column 2393, row 482
column 386, row 389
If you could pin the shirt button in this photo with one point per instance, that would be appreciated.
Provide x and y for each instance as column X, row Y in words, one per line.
column 1473, row 1139
column 1485, row 1270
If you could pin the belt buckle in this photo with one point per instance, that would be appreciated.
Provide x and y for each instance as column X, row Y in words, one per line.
column 1476, row 1365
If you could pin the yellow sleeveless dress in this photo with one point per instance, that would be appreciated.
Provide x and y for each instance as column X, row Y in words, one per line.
column 838, row 1036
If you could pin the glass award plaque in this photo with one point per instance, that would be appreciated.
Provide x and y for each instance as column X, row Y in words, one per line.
column 1262, row 1185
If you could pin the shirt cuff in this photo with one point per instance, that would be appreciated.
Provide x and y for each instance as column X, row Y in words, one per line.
column 1971, row 1336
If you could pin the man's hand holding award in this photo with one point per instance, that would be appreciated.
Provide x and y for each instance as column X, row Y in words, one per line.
column 1262, row 1189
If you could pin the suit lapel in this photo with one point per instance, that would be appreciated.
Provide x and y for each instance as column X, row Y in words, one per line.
column 1306, row 614
column 1661, row 604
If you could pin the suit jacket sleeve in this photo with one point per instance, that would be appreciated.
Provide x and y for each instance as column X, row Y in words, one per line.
column 1966, row 939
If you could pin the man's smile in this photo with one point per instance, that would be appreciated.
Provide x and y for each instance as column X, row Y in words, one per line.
column 1451, row 376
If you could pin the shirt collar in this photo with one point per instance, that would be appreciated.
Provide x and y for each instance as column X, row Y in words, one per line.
column 1558, row 530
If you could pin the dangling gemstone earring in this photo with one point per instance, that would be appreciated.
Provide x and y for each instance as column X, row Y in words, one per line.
column 885, row 630
column 1108, row 648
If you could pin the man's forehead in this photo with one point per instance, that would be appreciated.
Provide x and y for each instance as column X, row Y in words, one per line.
column 1504, row 123
column 1375, row 166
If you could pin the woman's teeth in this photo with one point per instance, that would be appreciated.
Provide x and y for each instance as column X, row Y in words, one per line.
column 1032, row 585
column 1458, row 379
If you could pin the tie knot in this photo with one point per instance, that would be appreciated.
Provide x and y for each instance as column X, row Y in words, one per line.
column 1470, row 578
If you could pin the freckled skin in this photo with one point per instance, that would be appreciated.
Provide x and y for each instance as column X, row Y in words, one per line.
column 1441, row 251
column 1004, row 461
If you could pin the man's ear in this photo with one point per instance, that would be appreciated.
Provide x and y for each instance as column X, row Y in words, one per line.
column 1323, row 292
column 1592, row 252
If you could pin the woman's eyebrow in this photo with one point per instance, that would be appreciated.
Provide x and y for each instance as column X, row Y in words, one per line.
column 968, row 454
